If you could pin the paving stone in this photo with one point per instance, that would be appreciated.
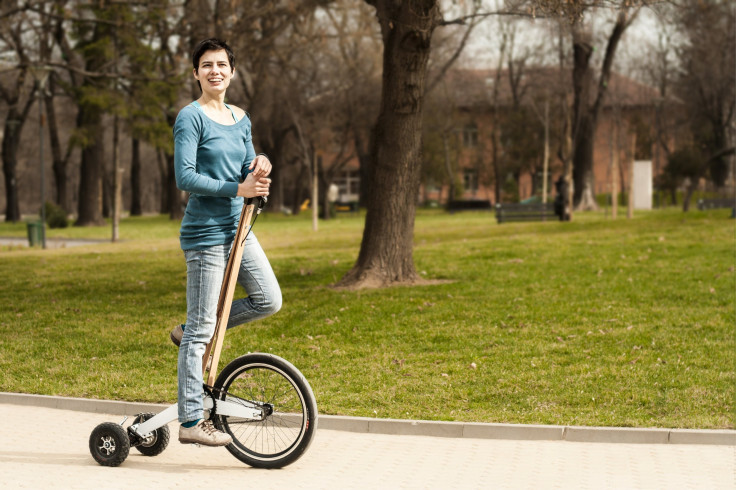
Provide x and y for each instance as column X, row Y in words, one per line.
column 47, row 448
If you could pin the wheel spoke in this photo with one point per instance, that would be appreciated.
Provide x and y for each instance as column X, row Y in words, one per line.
column 285, row 416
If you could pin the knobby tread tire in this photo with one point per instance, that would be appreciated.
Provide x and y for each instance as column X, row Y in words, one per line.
column 162, row 436
column 117, row 440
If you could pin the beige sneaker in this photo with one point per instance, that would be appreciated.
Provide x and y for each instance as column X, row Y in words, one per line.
column 203, row 433
column 176, row 334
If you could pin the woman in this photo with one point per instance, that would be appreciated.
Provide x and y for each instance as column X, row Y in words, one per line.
column 215, row 162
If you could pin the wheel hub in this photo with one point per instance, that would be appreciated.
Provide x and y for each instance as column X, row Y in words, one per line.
column 149, row 440
column 108, row 445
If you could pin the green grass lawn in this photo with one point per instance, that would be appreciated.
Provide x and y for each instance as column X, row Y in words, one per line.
column 594, row 322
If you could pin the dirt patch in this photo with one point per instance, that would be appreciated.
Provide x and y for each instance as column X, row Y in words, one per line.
column 373, row 282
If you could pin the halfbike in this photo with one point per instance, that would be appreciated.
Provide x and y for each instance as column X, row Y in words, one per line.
column 261, row 400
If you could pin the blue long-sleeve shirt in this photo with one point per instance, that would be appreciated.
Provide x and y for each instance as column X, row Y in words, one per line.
column 210, row 159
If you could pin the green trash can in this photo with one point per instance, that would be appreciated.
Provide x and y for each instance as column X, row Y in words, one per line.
column 35, row 233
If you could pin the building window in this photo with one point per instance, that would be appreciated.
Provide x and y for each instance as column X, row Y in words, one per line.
column 470, row 180
column 470, row 136
column 348, row 182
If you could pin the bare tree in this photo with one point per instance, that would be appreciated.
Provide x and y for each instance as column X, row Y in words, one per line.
column 17, row 92
column 588, row 92
column 658, row 68
column 588, row 103
column 386, row 249
column 170, row 32
column 498, row 172
column 440, row 150
column 707, row 81
column 349, row 100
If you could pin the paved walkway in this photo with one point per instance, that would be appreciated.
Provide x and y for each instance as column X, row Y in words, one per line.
column 47, row 447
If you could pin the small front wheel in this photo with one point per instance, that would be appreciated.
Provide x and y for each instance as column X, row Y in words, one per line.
column 289, row 411
column 156, row 442
column 109, row 444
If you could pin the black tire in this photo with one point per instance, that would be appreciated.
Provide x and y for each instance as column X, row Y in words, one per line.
column 154, row 444
column 284, row 435
column 109, row 444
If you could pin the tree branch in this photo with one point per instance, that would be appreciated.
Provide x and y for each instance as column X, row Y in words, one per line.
column 62, row 18
column 721, row 153
column 14, row 11
column 95, row 74
column 437, row 79
column 618, row 30
column 29, row 103
column 5, row 95
column 479, row 16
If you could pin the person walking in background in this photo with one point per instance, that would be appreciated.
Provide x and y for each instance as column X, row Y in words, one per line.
column 561, row 199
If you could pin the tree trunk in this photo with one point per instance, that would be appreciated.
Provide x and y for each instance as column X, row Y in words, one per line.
column 89, row 124
column 89, row 121
column 59, row 163
column 386, row 250
column 583, row 127
column 107, row 192
column 136, row 205
column 11, row 140
column 365, row 159
column 276, row 191
column 299, row 189
column 497, row 170
column 163, row 198
column 719, row 167
column 582, row 164
column 448, row 169
column 274, row 153
column 586, row 115
column 176, row 208
column 172, row 192
column 689, row 191
column 327, row 206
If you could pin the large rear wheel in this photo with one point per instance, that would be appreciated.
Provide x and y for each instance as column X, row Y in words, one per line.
column 289, row 411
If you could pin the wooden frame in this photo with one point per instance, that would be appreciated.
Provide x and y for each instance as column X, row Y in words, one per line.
column 229, row 281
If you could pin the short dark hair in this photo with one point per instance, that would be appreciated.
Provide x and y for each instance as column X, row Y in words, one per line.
column 211, row 44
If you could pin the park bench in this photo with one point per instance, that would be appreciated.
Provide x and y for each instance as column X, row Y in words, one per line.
column 347, row 207
column 525, row 212
column 468, row 205
column 722, row 202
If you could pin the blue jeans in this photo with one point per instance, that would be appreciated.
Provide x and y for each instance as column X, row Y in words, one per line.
column 205, row 272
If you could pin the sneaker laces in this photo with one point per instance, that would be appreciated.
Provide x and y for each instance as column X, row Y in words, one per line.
column 208, row 428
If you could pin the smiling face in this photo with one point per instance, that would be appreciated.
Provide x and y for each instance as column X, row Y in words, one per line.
column 214, row 72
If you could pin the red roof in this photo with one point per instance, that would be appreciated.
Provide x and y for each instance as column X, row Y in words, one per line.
column 475, row 88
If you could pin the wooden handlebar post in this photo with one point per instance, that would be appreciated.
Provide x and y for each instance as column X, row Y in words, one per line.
column 214, row 348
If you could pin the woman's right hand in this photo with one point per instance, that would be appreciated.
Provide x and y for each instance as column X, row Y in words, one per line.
column 252, row 187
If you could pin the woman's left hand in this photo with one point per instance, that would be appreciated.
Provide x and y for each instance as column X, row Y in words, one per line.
column 260, row 167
